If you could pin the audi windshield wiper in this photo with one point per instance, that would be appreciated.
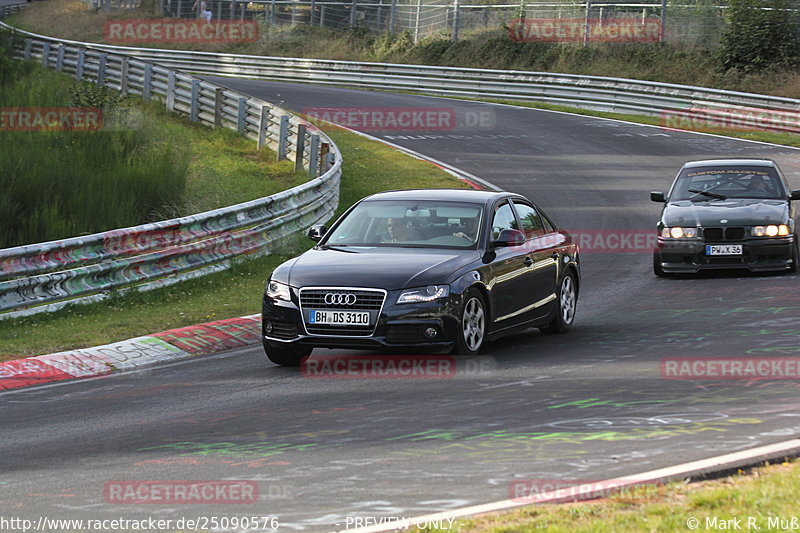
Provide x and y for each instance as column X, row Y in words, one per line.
column 709, row 194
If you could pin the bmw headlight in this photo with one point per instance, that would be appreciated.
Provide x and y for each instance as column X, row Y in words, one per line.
column 680, row 233
column 773, row 230
column 278, row 291
column 426, row 294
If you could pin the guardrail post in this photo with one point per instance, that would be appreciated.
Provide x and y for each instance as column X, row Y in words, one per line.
column 322, row 16
column 241, row 117
column 663, row 33
column 148, row 82
column 313, row 156
column 313, row 13
column 244, row 6
column 101, row 69
column 219, row 95
column 45, row 55
column 324, row 150
column 272, row 13
column 80, row 64
column 27, row 53
column 60, row 58
column 123, row 76
column 393, row 17
column 233, row 10
column 263, row 126
column 300, row 146
column 283, row 137
column 171, row 90
column 195, row 103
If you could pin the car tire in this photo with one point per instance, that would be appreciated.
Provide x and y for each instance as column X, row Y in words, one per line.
column 795, row 256
column 471, row 324
column 566, row 305
column 657, row 269
column 286, row 355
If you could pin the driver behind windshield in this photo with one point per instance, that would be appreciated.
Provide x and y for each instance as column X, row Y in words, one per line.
column 759, row 187
column 395, row 230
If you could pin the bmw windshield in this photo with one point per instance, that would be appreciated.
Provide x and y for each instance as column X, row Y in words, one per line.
column 409, row 223
column 721, row 183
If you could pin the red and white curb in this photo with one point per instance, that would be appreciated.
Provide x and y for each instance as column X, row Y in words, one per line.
column 694, row 469
column 133, row 353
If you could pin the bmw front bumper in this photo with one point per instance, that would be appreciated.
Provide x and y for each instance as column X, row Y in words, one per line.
column 758, row 255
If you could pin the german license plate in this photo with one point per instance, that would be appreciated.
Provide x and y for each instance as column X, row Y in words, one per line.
column 339, row 318
column 723, row 249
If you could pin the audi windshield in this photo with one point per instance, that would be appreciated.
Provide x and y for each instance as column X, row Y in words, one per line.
column 395, row 223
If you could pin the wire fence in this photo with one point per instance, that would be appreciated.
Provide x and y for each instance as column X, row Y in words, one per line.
column 696, row 22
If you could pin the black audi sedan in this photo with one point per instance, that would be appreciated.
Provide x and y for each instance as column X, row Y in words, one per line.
column 435, row 270
column 726, row 214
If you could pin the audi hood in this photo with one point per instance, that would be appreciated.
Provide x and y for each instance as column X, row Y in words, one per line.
column 389, row 268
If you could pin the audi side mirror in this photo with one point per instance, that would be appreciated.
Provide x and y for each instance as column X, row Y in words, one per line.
column 795, row 195
column 657, row 196
column 317, row 231
column 509, row 237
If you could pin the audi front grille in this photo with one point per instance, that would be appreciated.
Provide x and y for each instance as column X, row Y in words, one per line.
column 341, row 299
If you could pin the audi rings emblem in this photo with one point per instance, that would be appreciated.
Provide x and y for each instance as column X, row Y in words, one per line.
column 340, row 298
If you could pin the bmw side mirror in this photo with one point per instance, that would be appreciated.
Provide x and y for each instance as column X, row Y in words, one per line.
column 317, row 231
column 657, row 196
column 509, row 237
column 795, row 194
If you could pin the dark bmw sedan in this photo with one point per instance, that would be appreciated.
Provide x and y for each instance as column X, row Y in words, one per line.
column 434, row 270
column 724, row 214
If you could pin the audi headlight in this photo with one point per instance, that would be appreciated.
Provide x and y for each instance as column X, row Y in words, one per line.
column 278, row 291
column 427, row 294
column 773, row 230
column 679, row 233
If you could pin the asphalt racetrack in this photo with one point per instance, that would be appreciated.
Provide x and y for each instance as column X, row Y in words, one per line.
column 594, row 404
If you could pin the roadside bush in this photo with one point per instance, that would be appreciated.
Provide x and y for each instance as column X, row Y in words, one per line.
column 759, row 34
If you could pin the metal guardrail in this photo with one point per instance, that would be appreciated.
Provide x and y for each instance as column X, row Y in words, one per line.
column 676, row 103
column 46, row 276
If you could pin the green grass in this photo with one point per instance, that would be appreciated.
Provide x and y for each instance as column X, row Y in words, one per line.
column 762, row 493
column 369, row 167
column 153, row 167
column 49, row 178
